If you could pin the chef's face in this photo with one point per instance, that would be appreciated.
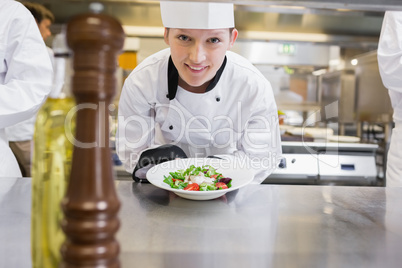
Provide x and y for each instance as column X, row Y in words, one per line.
column 44, row 28
column 198, row 54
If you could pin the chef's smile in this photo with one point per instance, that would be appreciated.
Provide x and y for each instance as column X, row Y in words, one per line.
column 196, row 69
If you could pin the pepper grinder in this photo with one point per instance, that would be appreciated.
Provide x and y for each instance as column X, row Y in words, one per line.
column 90, row 205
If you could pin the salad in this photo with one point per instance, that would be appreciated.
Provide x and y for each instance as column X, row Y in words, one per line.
column 204, row 178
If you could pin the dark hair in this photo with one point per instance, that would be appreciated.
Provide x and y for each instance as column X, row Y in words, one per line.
column 39, row 12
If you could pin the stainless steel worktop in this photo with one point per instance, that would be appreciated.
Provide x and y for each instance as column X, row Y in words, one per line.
column 257, row 226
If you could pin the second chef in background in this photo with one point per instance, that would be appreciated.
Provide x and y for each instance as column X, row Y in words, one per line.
column 20, row 135
column 389, row 55
column 25, row 75
column 199, row 96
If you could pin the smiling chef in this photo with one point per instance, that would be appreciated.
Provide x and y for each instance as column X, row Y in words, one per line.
column 197, row 98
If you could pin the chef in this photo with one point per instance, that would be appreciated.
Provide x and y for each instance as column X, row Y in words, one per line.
column 25, row 75
column 197, row 98
column 390, row 65
column 20, row 135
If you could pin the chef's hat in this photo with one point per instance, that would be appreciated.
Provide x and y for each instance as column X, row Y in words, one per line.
column 197, row 15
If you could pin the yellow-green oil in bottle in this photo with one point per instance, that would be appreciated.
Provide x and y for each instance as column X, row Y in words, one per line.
column 52, row 157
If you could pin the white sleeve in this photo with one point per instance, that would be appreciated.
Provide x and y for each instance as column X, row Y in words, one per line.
column 389, row 51
column 259, row 147
column 135, row 130
column 25, row 71
column 261, row 141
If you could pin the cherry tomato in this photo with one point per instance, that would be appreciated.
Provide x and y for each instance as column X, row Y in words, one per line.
column 221, row 185
column 192, row 187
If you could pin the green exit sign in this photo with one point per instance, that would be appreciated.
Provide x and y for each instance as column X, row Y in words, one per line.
column 287, row 49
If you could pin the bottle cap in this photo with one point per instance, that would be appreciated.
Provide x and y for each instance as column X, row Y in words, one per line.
column 59, row 44
column 96, row 7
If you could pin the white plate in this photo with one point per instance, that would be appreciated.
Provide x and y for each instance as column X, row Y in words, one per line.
column 336, row 138
column 310, row 131
column 240, row 176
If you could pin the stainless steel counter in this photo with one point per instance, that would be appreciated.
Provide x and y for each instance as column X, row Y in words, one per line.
column 257, row 226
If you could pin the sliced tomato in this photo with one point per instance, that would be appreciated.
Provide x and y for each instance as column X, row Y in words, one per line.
column 177, row 180
column 192, row 187
column 216, row 176
column 221, row 185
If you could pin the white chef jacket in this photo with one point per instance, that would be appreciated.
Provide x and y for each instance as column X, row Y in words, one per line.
column 23, row 131
column 25, row 74
column 390, row 65
column 236, row 119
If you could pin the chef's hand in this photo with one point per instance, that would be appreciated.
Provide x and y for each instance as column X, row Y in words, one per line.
column 213, row 156
column 142, row 172
column 154, row 156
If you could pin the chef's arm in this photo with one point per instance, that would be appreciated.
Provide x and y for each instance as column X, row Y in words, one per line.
column 138, row 154
column 136, row 144
column 259, row 147
column 135, row 127
column 259, row 151
column 26, row 71
column 261, row 140
column 389, row 51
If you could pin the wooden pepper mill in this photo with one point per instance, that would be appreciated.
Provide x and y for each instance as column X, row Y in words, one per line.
column 91, row 205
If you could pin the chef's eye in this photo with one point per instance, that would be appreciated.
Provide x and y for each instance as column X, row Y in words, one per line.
column 183, row 37
column 214, row 40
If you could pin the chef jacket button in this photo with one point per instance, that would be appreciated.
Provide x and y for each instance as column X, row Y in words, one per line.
column 170, row 127
column 218, row 99
column 167, row 96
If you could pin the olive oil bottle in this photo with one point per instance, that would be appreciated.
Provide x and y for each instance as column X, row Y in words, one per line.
column 52, row 157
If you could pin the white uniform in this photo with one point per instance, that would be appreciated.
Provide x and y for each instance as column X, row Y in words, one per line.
column 236, row 118
column 25, row 74
column 390, row 65
column 23, row 131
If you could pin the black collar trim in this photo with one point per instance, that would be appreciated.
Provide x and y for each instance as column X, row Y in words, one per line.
column 173, row 78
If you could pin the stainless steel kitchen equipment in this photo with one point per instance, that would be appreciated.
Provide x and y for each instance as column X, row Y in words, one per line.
column 372, row 103
column 326, row 163
column 339, row 86
column 359, row 91
column 364, row 107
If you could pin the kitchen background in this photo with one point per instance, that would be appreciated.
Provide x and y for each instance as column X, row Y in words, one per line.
column 320, row 57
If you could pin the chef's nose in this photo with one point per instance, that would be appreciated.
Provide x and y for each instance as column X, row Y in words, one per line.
column 48, row 33
column 197, row 53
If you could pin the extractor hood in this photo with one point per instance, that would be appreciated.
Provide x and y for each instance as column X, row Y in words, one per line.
column 347, row 23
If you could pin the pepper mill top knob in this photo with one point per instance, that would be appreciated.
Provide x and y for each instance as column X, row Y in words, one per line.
column 96, row 40
column 93, row 31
